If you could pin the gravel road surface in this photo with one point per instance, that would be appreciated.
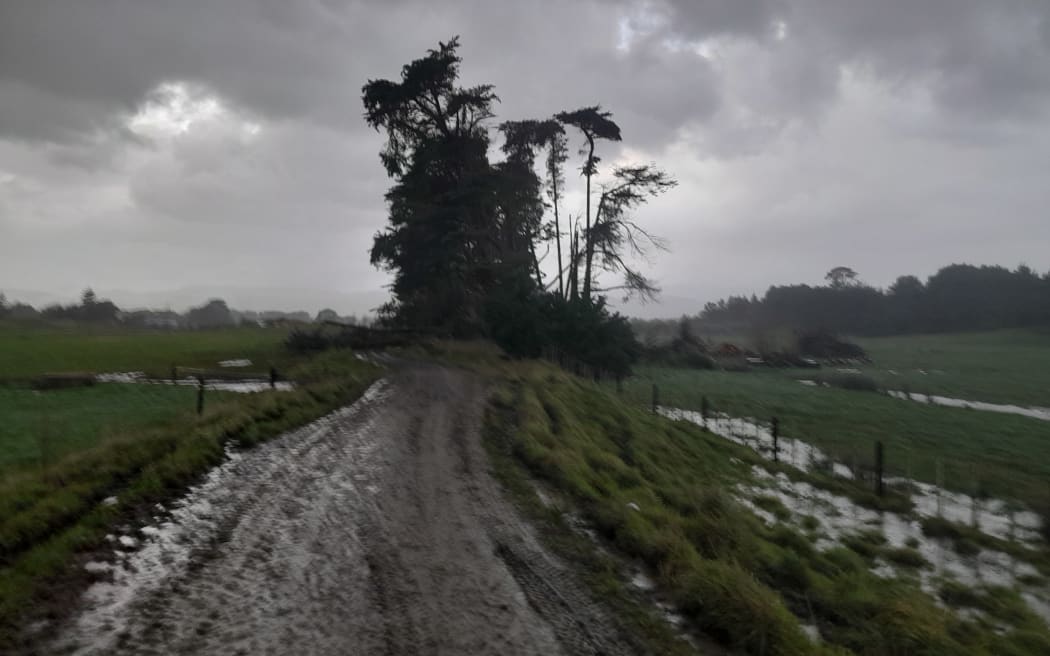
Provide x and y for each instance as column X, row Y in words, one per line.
column 375, row 530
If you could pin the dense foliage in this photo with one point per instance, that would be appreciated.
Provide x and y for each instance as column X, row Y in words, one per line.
column 90, row 309
column 464, row 234
column 213, row 314
column 960, row 297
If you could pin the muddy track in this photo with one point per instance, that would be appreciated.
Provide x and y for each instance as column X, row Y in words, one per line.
column 376, row 530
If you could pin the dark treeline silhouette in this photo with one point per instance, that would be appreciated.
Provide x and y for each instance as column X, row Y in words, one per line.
column 958, row 297
column 91, row 309
column 213, row 314
column 467, row 237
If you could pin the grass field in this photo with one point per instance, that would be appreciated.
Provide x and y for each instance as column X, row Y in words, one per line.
column 999, row 454
column 1007, row 366
column 27, row 352
column 663, row 492
column 74, row 462
column 1005, row 455
column 39, row 428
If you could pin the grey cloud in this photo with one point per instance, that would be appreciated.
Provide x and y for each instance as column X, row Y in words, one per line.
column 264, row 55
column 300, row 175
column 705, row 18
column 910, row 128
column 979, row 58
column 34, row 114
column 309, row 63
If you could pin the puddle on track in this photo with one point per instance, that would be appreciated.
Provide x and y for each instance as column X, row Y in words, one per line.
column 839, row 517
column 184, row 532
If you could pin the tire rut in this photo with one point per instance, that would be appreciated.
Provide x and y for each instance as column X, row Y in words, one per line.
column 375, row 530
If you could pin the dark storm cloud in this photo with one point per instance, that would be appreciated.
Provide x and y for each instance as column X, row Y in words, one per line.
column 282, row 59
column 795, row 126
column 978, row 57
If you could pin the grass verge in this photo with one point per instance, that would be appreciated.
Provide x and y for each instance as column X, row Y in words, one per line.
column 661, row 491
column 48, row 516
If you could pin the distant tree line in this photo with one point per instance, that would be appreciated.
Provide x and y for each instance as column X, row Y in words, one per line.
column 958, row 297
column 467, row 238
column 213, row 314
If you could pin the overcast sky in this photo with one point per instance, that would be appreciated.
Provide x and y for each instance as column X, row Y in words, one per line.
column 166, row 151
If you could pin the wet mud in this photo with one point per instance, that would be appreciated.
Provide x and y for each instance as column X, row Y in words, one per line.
column 375, row 530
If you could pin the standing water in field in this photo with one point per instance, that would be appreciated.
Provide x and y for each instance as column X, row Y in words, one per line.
column 990, row 516
column 838, row 517
column 1033, row 411
column 245, row 386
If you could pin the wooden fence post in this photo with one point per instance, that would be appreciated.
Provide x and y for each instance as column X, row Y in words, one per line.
column 656, row 397
column 273, row 377
column 200, row 394
column 776, row 435
column 879, row 487
column 974, row 507
column 940, row 484
column 704, row 410
column 174, row 374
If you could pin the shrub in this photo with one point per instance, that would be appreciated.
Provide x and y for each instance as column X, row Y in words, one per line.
column 823, row 344
column 687, row 354
column 575, row 333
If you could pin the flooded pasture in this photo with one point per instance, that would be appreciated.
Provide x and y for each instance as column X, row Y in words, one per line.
column 241, row 386
column 1033, row 412
column 835, row 518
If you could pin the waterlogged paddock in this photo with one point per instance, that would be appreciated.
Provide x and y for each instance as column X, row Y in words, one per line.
column 245, row 386
column 995, row 517
column 1033, row 412
column 932, row 399
column 833, row 520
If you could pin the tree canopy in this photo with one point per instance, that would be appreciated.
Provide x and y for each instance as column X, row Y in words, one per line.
column 466, row 238
column 957, row 297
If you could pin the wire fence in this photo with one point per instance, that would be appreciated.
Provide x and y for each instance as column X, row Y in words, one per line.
column 932, row 482
column 47, row 417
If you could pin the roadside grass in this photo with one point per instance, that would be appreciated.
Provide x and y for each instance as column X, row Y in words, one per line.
column 1003, row 366
column 26, row 352
column 1006, row 456
column 600, row 571
column 49, row 514
column 659, row 491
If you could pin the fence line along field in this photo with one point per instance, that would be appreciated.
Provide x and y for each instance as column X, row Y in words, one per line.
column 969, row 451
column 40, row 428
column 26, row 352
column 74, row 461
